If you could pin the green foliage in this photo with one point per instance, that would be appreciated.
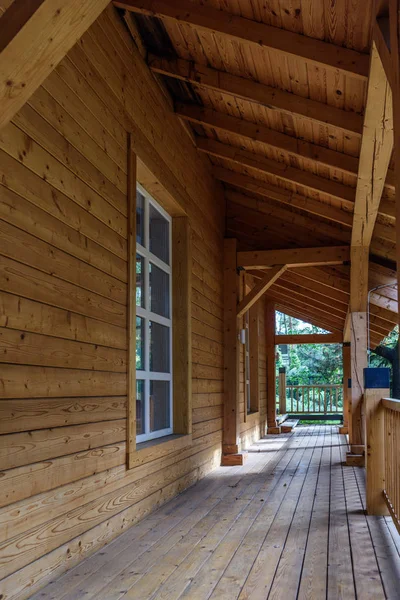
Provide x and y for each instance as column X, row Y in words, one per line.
column 308, row 364
column 390, row 342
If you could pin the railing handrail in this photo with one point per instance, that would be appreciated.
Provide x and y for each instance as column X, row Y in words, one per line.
column 391, row 404
column 313, row 398
column 302, row 385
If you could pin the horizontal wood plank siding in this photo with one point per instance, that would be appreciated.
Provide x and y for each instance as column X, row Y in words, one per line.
column 63, row 291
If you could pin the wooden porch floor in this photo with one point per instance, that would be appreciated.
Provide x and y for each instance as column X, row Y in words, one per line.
column 290, row 524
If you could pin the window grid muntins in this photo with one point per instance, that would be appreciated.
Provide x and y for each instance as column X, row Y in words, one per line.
column 154, row 306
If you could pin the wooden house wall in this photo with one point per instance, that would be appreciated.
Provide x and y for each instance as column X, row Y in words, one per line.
column 65, row 489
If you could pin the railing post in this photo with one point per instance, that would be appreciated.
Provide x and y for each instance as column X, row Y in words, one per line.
column 376, row 386
column 282, row 390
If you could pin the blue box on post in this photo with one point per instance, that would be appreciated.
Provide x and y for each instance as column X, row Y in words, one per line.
column 377, row 378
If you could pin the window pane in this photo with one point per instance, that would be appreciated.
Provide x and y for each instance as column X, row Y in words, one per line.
column 139, row 343
column 159, row 235
column 140, row 218
column 159, row 405
column 139, row 280
column 159, row 291
column 140, row 406
column 159, row 348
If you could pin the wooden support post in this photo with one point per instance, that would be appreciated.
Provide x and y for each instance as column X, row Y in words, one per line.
column 254, row 337
column 346, row 354
column 231, row 442
column 394, row 14
column 359, row 359
column 271, row 368
column 377, row 386
column 282, row 390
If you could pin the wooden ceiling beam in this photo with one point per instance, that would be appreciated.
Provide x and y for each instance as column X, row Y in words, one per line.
column 34, row 37
column 252, row 91
column 325, row 278
column 257, row 132
column 246, row 31
column 280, row 170
column 323, row 302
column 280, row 194
column 315, row 287
column 294, row 257
column 375, row 155
column 384, row 302
column 281, row 217
column 306, row 205
column 259, row 289
column 310, row 338
column 308, row 318
column 326, row 320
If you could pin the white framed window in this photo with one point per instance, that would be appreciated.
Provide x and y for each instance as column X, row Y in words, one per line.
column 154, row 411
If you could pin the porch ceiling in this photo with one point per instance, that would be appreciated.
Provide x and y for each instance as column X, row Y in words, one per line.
column 280, row 117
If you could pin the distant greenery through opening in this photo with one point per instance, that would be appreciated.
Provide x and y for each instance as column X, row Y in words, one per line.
column 307, row 364
column 314, row 364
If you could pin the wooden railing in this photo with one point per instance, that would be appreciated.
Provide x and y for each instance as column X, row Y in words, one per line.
column 314, row 399
column 391, row 493
column 382, row 427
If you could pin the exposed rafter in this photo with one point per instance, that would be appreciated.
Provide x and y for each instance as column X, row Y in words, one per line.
column 253, row 33
column 294, row 257
column 303, row 203
column 311, row 338
column 307, row 316
column 34, row 37
column 257, row 132
column 257, row 186
column 259, row 93
column 279, row 169
column 308, row 310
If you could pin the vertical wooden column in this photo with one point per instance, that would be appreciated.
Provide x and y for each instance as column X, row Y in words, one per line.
column 254, row 357
column 346, row 356
column 282, row 390
column 394, row 16
column 271, row 367
column 231, row 440
column 377, row 386
column 359, row 361
column 131, row 306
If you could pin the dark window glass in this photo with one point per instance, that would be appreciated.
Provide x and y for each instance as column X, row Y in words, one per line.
column 159, row 405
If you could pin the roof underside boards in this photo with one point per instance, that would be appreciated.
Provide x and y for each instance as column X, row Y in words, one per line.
column 283, row 133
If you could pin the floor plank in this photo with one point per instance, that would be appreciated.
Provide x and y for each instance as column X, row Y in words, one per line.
column 288, row 525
